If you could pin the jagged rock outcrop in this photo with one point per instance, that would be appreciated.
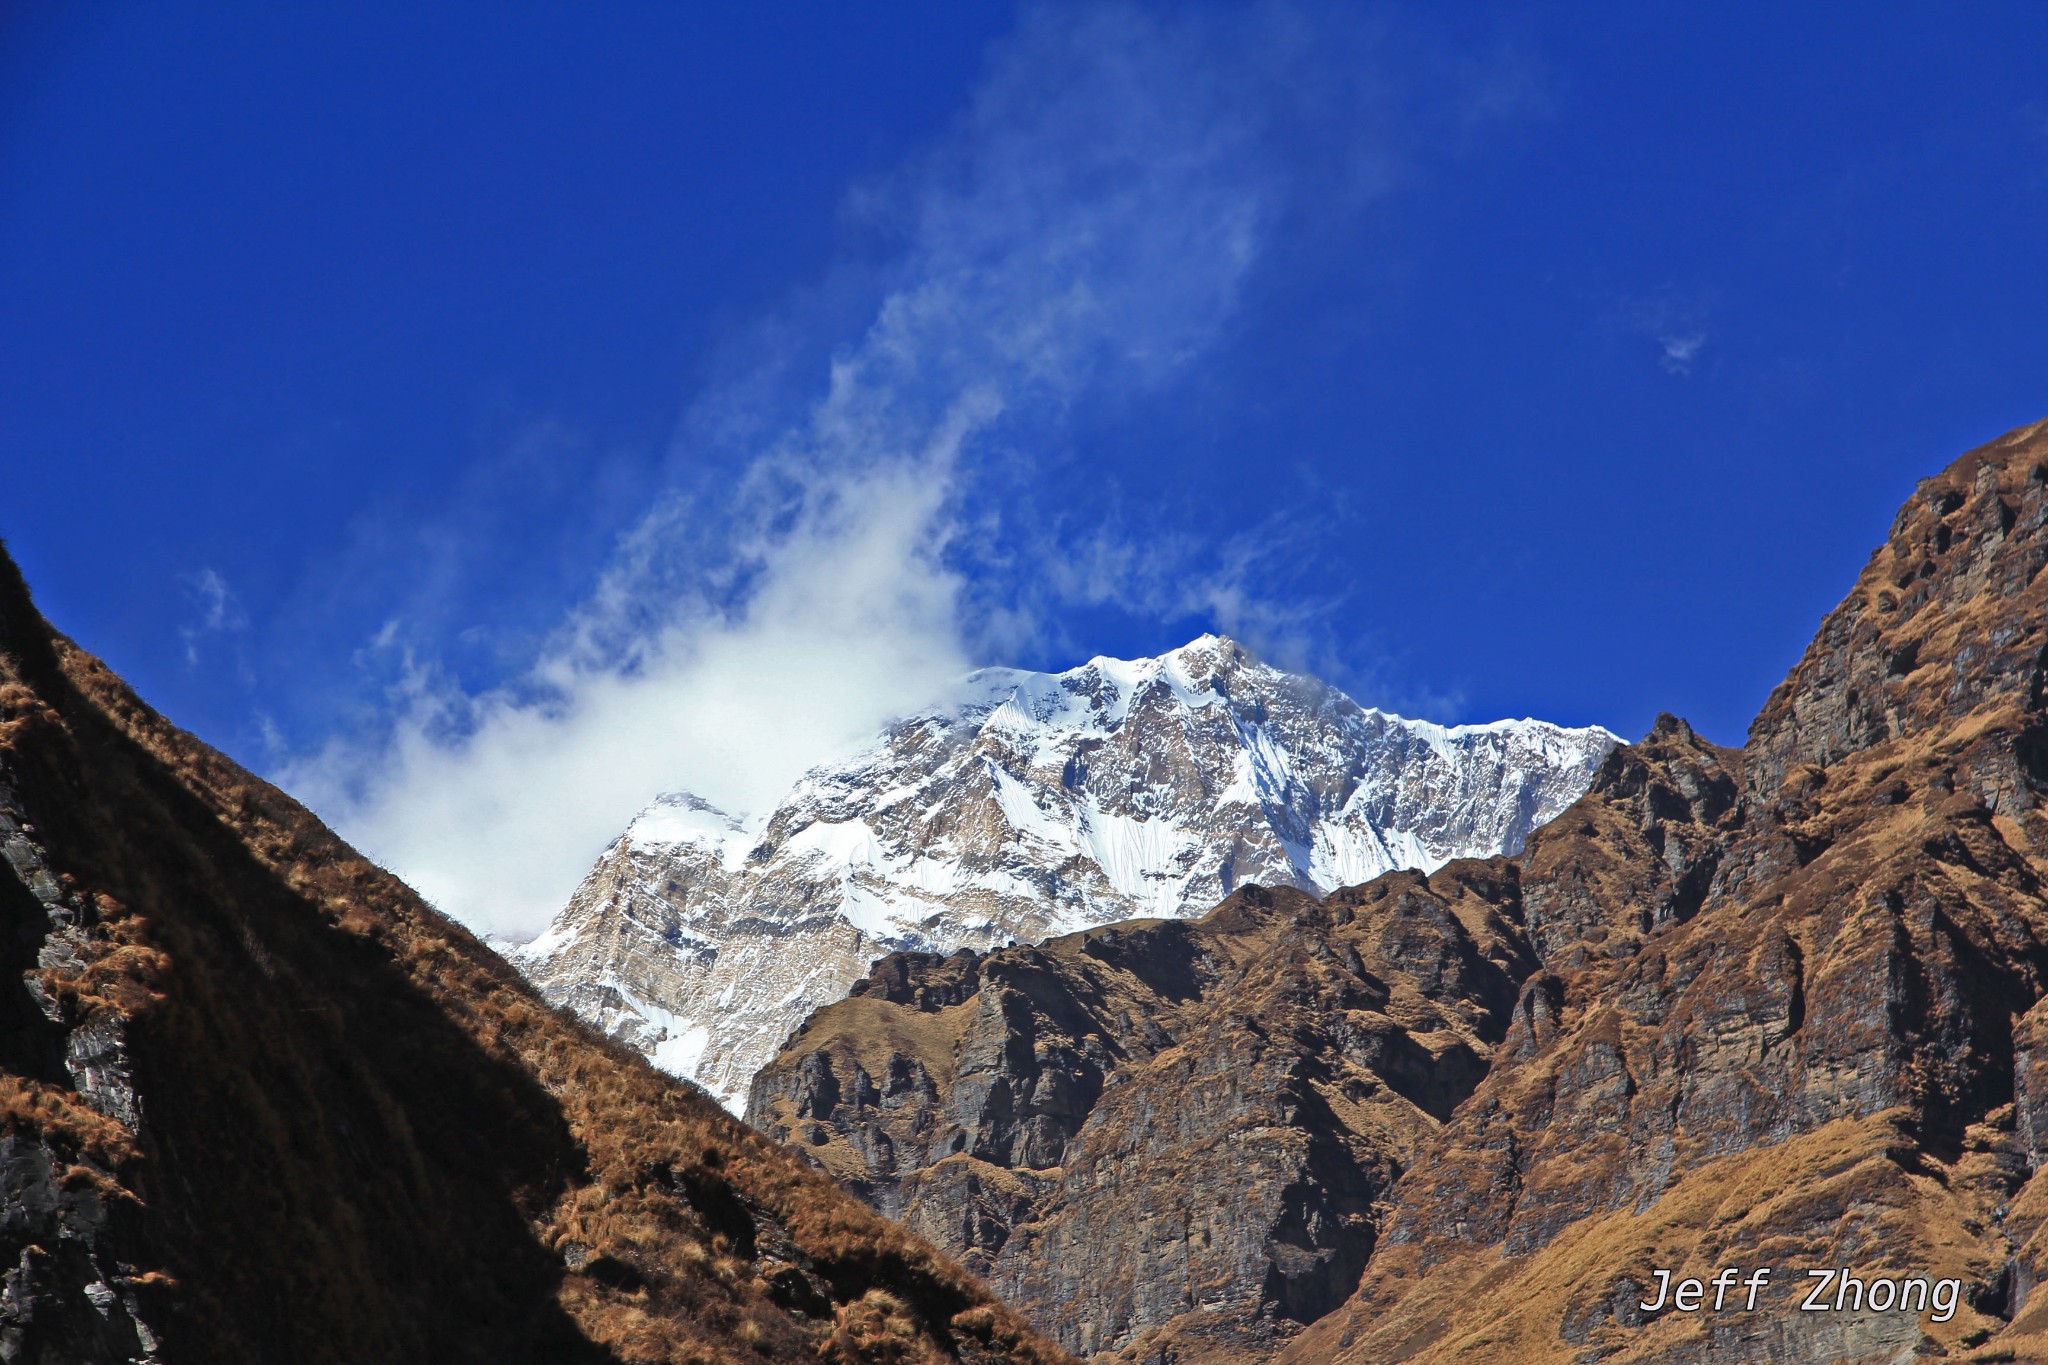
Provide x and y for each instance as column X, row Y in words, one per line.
column 1780, row 1007
column 1039, row 805
column 259, row 1103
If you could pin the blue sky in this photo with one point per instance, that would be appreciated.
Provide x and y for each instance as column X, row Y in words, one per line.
column 481, row 417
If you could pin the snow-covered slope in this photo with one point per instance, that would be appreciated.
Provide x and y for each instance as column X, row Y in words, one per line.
column 1041, row 804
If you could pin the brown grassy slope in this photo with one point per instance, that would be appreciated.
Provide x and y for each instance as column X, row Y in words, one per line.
column 360, row 1136
column 1816, row 1064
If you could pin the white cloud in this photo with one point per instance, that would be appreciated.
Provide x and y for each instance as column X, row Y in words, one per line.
column 1091, row 221
column 493, row 806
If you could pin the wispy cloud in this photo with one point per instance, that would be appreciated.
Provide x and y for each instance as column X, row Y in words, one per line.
column 1680, row 348
column 1676, row 324
column 1092, row 221
column 219, row 612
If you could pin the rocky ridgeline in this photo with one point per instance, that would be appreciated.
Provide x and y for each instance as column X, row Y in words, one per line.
column 1041, row 805
column 1780, row 1006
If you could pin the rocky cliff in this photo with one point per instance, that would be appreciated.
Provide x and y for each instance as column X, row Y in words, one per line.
column 259, row 1103
column 1038, row 805
column 1175, row 1140
column 1774, row 1007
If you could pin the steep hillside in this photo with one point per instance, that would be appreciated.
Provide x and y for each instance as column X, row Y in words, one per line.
column 1778, row 1007
column 258, row 1103
column 1834, row 1062
column 1039, row 805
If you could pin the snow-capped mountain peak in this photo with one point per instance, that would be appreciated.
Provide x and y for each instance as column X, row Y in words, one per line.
column 1033, row 805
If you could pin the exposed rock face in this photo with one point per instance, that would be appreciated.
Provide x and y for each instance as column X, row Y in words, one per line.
column 259, row 1103
column 1781, row 1007
column 1172, row 1139
column 1041, row 805
column 66, row 1295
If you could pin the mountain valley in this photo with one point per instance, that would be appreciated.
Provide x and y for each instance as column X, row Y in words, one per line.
column 1133, row 1035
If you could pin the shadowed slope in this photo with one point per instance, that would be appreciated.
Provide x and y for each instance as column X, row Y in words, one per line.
column 262, row 1104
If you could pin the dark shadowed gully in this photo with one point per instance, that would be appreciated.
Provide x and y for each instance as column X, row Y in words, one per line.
column 258, row 1103
column 1772, row 1007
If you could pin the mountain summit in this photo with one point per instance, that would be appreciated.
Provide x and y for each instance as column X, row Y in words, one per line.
column 1037, row 804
